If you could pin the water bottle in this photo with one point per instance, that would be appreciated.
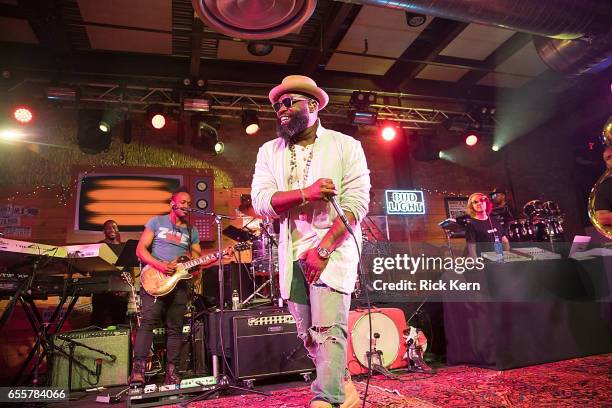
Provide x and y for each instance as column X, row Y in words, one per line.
column 499, row 250
column 235, row 300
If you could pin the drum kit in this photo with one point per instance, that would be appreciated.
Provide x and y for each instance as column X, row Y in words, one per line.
column 542, row 221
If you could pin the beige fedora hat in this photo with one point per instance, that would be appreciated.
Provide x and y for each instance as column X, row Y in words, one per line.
column 299, row 84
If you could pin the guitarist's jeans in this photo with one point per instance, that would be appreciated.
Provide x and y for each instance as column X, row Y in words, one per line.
column 173, row 306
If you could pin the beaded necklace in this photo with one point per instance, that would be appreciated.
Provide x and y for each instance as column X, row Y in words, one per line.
column 293, row 176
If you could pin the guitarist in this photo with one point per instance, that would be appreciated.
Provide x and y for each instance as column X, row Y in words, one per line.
column 164, row 239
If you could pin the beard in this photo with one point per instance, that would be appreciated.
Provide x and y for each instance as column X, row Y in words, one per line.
column 297, row 123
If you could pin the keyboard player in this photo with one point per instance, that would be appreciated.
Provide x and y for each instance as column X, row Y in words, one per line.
column 109, row 309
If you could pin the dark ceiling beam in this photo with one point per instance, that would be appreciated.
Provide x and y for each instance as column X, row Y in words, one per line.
column 501, row 54
column 335, row 24
column 46, row 22
column 197, row 33
column 432, row 40
column 11, row 11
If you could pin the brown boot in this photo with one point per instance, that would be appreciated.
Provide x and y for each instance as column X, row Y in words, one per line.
column 351, row 395
column 138, row 373
column 172, row 376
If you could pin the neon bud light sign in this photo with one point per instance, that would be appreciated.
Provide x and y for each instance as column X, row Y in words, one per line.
column 404, row 202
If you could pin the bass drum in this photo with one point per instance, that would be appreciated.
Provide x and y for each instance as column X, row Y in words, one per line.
column 386, row 340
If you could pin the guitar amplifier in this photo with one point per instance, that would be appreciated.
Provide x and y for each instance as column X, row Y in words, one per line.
column 114, row 342
column 261, row 343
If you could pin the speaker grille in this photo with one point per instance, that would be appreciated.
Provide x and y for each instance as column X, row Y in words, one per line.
column 116, row 342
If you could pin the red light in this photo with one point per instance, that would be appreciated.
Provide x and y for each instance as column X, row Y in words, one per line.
column 158, row 121
column 471, row 140
column 23, row 115
column 388, row 133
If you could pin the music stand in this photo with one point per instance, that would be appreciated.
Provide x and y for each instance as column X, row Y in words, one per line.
column 127, row 254
column 238, row 234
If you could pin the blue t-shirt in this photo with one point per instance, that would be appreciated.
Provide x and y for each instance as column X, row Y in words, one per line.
column 170, row 241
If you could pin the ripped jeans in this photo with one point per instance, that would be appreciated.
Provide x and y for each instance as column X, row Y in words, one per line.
column 322, row 324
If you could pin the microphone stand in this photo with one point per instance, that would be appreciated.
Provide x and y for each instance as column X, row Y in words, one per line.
column 223, row 382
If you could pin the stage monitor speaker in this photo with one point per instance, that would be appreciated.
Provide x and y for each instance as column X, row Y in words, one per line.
column 115, row 342
column 388, row 344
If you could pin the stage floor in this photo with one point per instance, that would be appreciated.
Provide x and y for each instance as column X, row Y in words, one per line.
column 570, row 383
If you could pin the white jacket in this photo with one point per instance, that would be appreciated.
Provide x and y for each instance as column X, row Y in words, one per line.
column 335, row 156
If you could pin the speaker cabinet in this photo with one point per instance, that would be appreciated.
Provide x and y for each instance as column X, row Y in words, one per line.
column 201, row 187
column 388, row 343
column 114, row 342
column 260, row 343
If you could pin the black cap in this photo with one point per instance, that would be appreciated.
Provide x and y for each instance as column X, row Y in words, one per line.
column 498, row 190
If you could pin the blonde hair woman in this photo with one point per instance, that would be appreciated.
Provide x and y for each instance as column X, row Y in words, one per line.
column 482, row 230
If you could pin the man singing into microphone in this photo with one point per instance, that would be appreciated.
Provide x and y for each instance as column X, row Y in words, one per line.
column 297, row 175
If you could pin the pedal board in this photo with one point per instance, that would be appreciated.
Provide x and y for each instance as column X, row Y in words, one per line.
column 170, row 394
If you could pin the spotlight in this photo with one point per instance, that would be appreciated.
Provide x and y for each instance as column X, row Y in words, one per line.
column 156, row 116
column 388, row 132
column 10, row 134
column 91, row 138
column 364, row 118
column 495, row 148
column 471, row 139
column 23, row 114
column 259, row 49
column 415, row 19
column 219, row 147
column 363, row 99
column 441, row 154
column 250, row 122
column 104, row 126
column 158, row 121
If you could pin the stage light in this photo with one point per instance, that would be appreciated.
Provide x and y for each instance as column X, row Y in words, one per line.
column 415, row 19
column 362, row 99
column 388, row 132
column 219, row 147
column 104, row 126
column 156, row 116
column 364, row 118
column 90, row 137
column 23, row 114
column 250, row 122
column 495, row 148
column 441, row 155
column 10, row 134
column 196, row 105
column 471, row 139
column 158, row 121
column 259, row 49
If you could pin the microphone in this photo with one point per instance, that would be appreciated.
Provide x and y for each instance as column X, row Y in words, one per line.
column 98, row 367
column 340, row 211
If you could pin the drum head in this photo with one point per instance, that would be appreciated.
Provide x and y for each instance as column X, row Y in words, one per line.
column 388, row 340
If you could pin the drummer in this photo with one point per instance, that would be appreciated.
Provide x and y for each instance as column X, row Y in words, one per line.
column 501, row 209
column 250, row 221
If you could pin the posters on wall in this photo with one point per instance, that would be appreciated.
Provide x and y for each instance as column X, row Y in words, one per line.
column 11, row 220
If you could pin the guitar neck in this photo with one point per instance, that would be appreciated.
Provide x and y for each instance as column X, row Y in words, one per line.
column 201, row 260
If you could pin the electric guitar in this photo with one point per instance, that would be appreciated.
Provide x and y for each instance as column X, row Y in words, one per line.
column 157, row 283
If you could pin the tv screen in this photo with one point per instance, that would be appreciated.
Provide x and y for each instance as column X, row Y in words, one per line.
column 131, row 196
